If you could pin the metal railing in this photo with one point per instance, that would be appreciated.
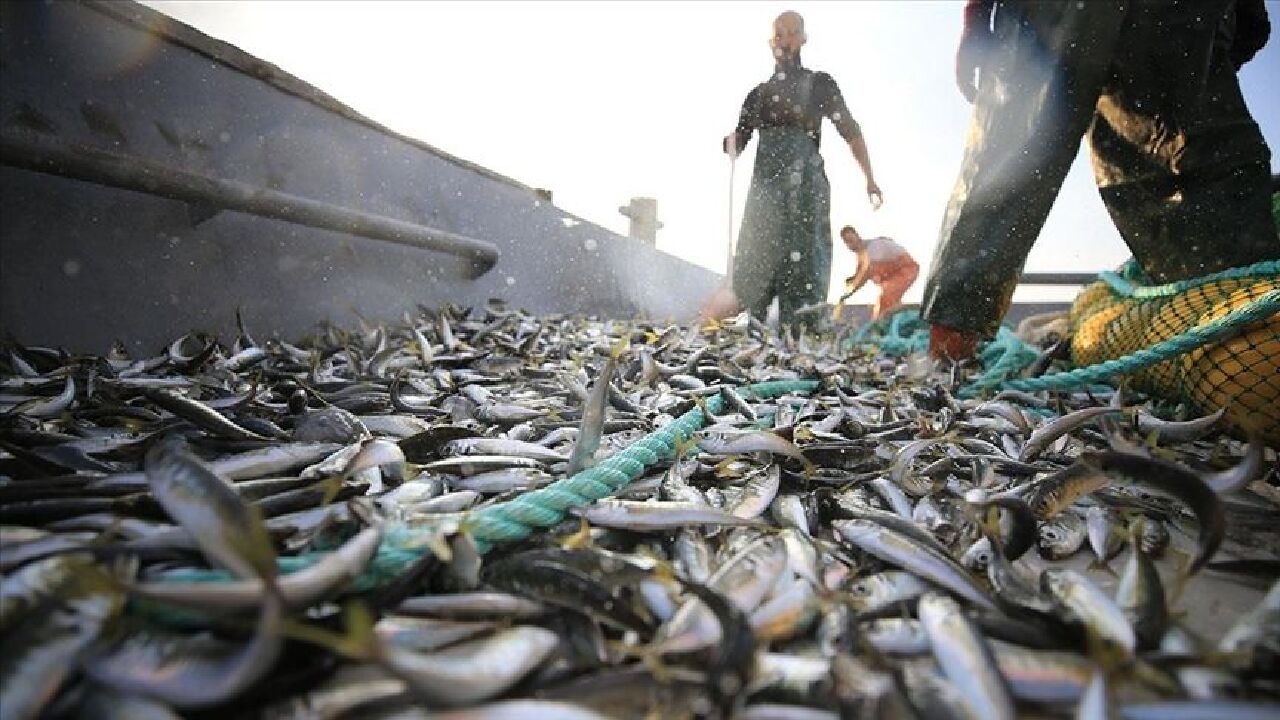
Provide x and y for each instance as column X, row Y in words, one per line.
column 82, row 162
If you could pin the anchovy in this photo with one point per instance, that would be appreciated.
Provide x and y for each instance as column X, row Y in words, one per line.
column 467, row 465
column 192, row 673
column 651, row 516
column 1175, row 481
column 228, row 531
column 757, row 441
column 472, row 671
column 299, row 589
column 920, row 560
column 964, row 657
column 501, row 446
column 1171, row 431
column 46, row 407
column 1092, row 607
column 593, row 415
column 472, row 605
column 1046, row 434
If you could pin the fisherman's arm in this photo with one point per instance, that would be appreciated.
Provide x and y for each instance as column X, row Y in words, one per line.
column 854, row 284
column 859, row 147
column 831, row 103
column 735, row 141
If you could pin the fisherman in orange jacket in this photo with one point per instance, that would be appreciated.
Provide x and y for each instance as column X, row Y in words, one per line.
column 883, row 262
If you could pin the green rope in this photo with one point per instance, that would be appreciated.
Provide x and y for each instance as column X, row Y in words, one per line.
column 1192, row 338
column 1128, row 289
column 520, row 517
column 904, row 333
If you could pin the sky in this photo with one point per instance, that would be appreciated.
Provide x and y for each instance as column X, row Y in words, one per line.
column 603, row 101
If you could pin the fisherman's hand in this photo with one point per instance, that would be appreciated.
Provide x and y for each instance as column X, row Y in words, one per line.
column 975, row 44
column 731, row 145
column 874, row 195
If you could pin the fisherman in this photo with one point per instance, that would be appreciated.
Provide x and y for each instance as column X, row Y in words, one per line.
column 784, row 247
column 883, row 262
column 1181, row 166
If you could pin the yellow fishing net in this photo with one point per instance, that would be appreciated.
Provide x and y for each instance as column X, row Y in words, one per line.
column 1240, row 373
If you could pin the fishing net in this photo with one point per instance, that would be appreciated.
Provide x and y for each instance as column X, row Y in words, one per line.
column 1118, row 316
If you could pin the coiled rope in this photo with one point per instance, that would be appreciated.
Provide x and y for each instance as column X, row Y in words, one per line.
column 1007, row 355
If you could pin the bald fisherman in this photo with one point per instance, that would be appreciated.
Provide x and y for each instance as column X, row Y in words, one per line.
column 785, row 244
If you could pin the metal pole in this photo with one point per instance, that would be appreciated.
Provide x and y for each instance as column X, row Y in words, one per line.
column 1057, row 278
column 134, row 173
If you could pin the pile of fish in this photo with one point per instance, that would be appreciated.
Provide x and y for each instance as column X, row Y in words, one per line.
column 276, row 530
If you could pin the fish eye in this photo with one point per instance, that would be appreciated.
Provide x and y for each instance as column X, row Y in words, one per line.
column 860, row 589
column 1049, row 534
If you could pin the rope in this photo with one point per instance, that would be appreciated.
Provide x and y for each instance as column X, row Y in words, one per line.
column 1129, row 289
column 518, row 518
column 1004, row 357
column 1260, row 309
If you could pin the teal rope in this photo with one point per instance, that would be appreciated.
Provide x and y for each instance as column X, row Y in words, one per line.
column 898, row 335
column 518, row 518
column 1127, row 288
column 1260, row 309
column 1004, row 357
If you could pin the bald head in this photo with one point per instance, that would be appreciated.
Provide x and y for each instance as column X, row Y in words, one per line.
column 788, row 35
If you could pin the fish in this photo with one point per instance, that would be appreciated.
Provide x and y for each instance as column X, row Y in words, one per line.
column 964, row 657
column 196, row 672
column 229, row 531
column 593, row 414
column 1062, row 536
column 1103, row 619
column 924, row 562
column 779, row 558
column 1140, row 594
column 1173, row 480
column 299, row 589
column 1047, row 433
column 654, row 516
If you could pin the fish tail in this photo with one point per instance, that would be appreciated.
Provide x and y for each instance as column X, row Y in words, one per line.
column 1103, row 565
column 357, row 642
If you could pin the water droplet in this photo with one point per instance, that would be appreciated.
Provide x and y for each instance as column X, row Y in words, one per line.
column 224, row 136
column 589, row 244
column 71, row 268
column 511, row 280
column 795, row 256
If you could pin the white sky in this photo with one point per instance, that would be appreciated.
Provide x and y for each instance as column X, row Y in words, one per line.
column 602, row 101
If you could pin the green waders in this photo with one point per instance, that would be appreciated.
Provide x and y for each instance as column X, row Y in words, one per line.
column 784, row 246
column 1181, row 165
